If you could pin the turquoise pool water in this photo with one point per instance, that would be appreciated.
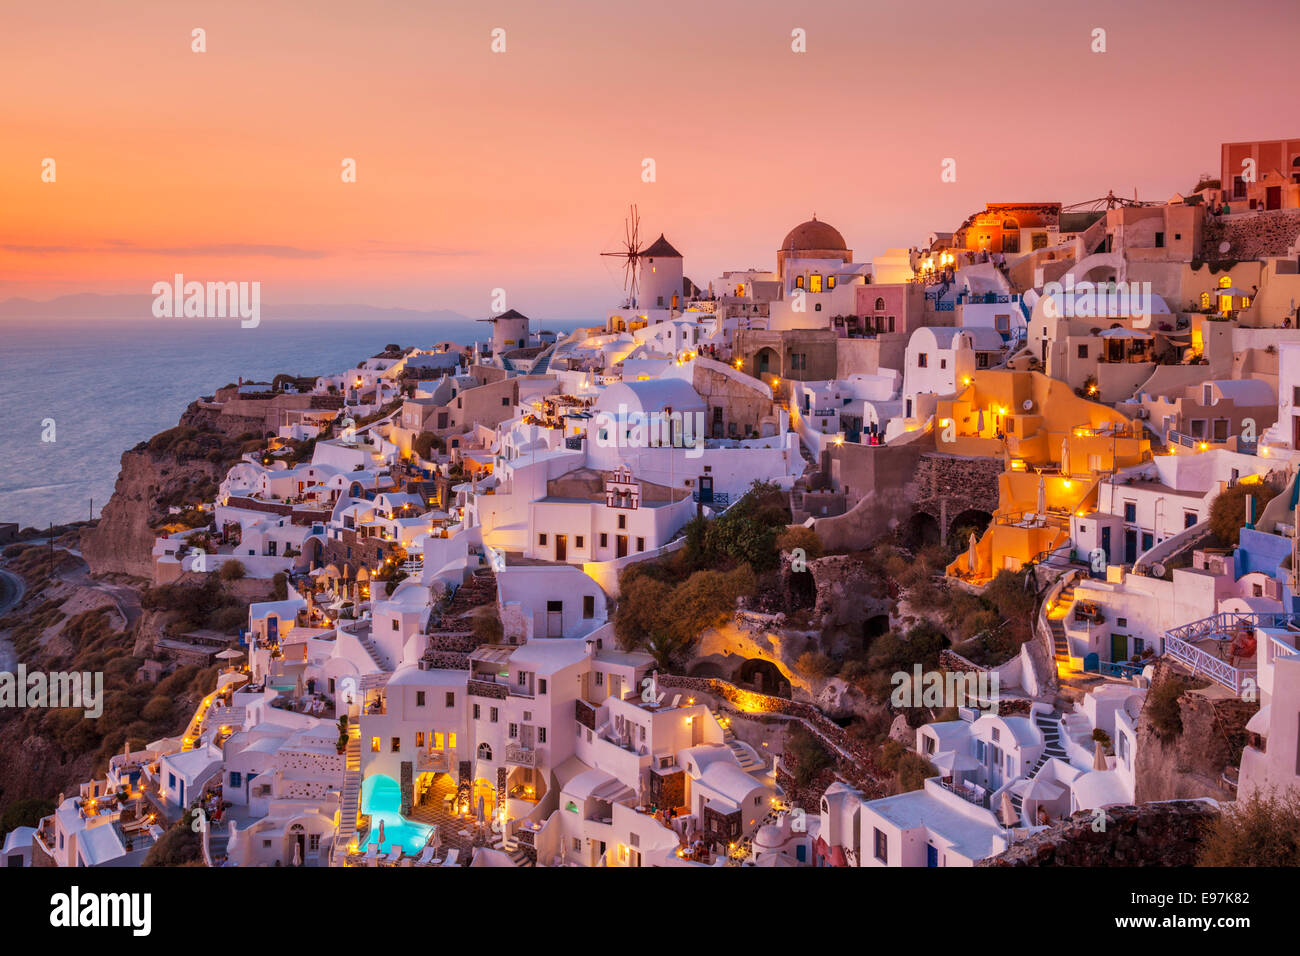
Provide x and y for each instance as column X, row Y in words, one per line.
column 381, row 797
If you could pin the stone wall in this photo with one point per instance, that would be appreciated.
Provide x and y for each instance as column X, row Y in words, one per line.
column 1151, row 834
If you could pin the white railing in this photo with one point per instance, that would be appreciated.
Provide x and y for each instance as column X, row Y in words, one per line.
column 1205, row 663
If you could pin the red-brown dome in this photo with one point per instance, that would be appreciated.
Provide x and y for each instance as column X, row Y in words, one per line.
column 814, row 235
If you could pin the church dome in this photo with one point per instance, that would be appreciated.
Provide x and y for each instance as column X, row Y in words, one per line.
column 813, row 235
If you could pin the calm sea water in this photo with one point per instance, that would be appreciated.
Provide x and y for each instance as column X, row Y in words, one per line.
column 109, row 385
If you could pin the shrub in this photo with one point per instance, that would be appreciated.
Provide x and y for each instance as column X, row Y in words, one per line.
column 1260, row 831
column 1162, row 707
column 1228, row 510
column 800, row 537
column 807, row 754
column 232, row 570
column 816, row 664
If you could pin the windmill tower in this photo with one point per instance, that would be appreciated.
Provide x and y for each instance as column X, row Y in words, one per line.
column 631, row 255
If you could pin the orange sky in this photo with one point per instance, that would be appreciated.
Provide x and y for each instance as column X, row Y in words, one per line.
column 478, row 170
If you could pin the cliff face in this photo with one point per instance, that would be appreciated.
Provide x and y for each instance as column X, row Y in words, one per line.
column 1192, row 763
column 147, row 484
column 182, row 465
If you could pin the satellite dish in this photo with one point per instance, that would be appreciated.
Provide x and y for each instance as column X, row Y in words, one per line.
column 1158, row 569
column 1028, row 404
column 1225, row 246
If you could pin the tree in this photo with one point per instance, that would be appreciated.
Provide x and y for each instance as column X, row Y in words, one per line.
column 232, row 570
column 1259, row 831
column 806, row 753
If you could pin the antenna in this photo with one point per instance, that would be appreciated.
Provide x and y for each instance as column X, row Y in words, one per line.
column 630, row 253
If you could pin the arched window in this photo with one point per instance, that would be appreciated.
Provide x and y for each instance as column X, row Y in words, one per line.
column 798, row 282
column 484, row 752
column 880, row 305
column 1205, row 300
column 830, row 282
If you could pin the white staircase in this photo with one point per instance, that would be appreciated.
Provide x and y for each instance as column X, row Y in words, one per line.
column 749, row 761
column 350, row 800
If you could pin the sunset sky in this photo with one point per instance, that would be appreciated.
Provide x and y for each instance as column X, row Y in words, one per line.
column 479, row 170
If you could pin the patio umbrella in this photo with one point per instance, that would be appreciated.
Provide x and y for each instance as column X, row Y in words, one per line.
column 1007, row 811
column 1065, row 456
column 971, row 555
column 979, row 423
column 435, row 838
column 1037, row 789
column 1099, row 758
column 481, row 817
column 297, row 854
column 950, row 762
column 230, row 654
column 231, row 840
column 1042, row 496
column 381, row 832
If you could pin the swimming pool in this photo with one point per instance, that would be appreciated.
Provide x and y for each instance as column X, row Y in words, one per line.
column 381, row 798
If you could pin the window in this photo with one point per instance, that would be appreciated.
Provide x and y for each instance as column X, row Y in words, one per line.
column 493, row 714
column 541, row 685
column 505, row 400
column 922, row 360
column 477, row 713
column 396, row 745
column 451, row 741
column 588, row 606
column 514, row 731
column 374, row 745
column 600, row 678
column 881, row 846
column 604, row 540
column 1160, row 240
column 419, row 739
column 236, row 779
column 394, row 624
column 622, row 522
column 578, row 541
column 1189, row 518
column 541, row 735
column 451, row 699
column 419, row 698
column 1083, row 351
column 1130, row 511
column 541, row 540
column 997, row 735
column 943, row 363
column 880, row 305
column 640, row 544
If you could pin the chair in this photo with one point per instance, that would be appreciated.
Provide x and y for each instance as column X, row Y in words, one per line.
column 395, row 855
column 452, row 856
column 426, row 856
column 372, row 855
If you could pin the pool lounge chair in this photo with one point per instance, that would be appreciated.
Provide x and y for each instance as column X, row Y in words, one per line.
column 452, row 855
column 372, row 855
column 426, row 857
column 395, row 855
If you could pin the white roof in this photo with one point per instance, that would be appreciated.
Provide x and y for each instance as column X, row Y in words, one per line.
column 1246, row 391
column 1100, row 788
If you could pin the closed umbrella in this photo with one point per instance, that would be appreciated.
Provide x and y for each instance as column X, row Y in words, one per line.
column 297, row 854
column 231, row 840
column 1042, row 496
column 381, row 833
column 1007, row 811
column 972, row 557
column 1065, row 456
column 481, row 817
column 1099, row 758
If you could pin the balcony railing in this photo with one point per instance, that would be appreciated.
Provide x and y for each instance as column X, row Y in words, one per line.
column 432, row 761
column 521, row 756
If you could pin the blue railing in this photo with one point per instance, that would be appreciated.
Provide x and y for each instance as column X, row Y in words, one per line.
column 720, row 499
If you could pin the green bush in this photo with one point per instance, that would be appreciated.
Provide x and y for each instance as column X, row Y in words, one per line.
column 1260, row 831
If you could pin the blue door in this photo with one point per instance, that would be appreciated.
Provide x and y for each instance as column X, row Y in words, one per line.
column 931, row 855
column 1105, row 542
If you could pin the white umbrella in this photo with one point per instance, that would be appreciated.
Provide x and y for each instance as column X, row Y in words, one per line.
column 480, row 808
column 381, row 832
column 950, row 761
column 1042, row 496
column 230, row 654
column 231, row 840
column 297, row 853
column 1037, row 788
column 1065, row 456
column 972, row 556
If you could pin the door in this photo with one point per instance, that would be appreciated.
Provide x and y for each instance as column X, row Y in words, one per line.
column 554, row 618
column 620, row 546
column 1130, row 546
column 1118, row 648
column 931, row 855
column 561, row 547
column 1273, row 197
column 1105, row 542
column 301, row 839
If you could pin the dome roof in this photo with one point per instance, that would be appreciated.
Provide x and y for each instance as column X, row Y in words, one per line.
column 813, row 235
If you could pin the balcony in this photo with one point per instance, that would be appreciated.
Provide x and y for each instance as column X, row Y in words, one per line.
column 521, row 756
column 435, row 761
column 478, row 687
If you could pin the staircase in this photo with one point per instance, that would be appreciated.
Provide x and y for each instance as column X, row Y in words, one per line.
column 1063, row 604
column 350, row 800
column 1049, row 725
column 748, row 762
column 514, row 851
column 373, row 651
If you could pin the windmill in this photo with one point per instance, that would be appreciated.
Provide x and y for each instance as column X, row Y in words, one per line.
column 630, row 254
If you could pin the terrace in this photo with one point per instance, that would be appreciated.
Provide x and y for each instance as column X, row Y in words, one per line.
column 1216, row 647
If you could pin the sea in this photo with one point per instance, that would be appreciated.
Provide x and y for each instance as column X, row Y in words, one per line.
column 98, row 387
